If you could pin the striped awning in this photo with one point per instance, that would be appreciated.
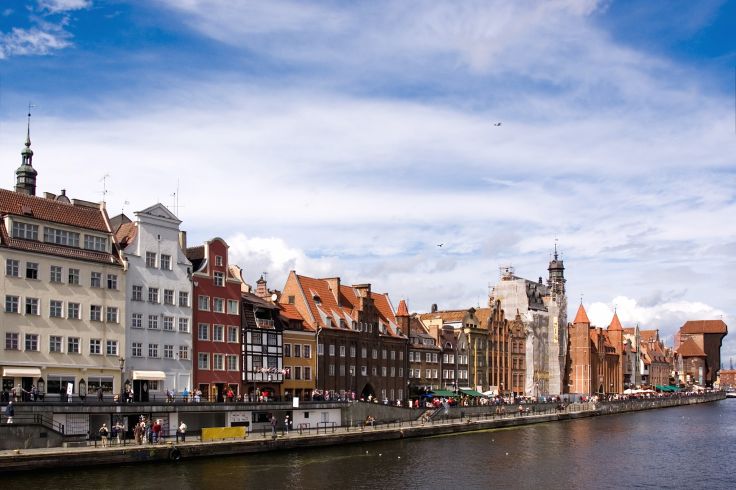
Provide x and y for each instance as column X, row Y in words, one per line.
column 23, row 372
column 149, row 375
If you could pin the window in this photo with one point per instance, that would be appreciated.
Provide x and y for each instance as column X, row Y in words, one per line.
column 150, row 259
column 256, row 338
column 297, row 372
column 169, row 323
column 342, row 351
column 31, row 306
column 218, row 305
column 393, row 355
column 401, row 355
column 73, row 345
column 384, row 354
column 219, row 279
column 218, row 260
column 332, row 349
column 232, row 307
column 232, row 363
column 363, row 352
column 401, row 372
column 152, row 350
column 56, row 308
column 137, row 293
column 112, row 281
column 292, row 300
column 165, row 262
column 136, row 320
column 307, row 351
column 31, row 270
column 352, row 351
column 203, row 302
column 73, row 311
column 168, row 296
column 218, row 333
column 153, row 322
column 60, row 237
column 287, row 350
column 307, row 372
column 203, row 331
column 342, row 369
column 55, row 273
column 203, row 360
column 364, row 370
column 12, row 268
column 331, row 370
column 218, row 362
column 393, row 371
column 184, row 324
column 320, row 349
column 137, row 349
column 184, row 352
column 12, row 303
column 374, row 371
column 98, row 243
column 55, row 343
column 112, row 314
column 232, row 334
column 375, row 353
column 96, row 280
column 95, row 313
column 434, row 357
column 297, row 350
column 25, row 231
column 112, row 347
column 73, row 276
column 428, row 356
column 153, row 295
column 31, row 342
column 168, row 349
column 383, row 371
column 11, row 341
column 272, row 339
column 183, row 298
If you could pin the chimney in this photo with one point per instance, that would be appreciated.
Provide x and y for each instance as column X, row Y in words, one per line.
column 334, row 284
column 434, row 308
column 183, row 239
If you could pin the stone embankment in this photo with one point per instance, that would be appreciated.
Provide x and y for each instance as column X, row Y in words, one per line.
column 473, row 419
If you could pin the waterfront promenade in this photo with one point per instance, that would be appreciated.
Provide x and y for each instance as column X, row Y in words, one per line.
column 454, row 421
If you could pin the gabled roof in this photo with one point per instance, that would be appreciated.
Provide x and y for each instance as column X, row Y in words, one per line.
column 158, row 210
column 455, row 316
column 615, row 323
column 582, row 316
column 125, row 234
column 402, row 310
column 629, row 331
column 647, row 335
column 690, row 349
column 18, row 204
column 704, row 326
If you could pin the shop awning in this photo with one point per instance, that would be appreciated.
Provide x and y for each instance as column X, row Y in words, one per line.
column 149, row 375
column 445, row 393
column 470, row 392
column 24, row 372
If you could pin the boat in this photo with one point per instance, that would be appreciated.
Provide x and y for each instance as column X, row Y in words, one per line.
column 731, row 394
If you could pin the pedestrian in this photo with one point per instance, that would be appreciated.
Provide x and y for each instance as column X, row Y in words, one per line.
column 103, row 434
column 119, row 431
column 286, row 424
column 99, row 394
column 138, row 433
column 273, row 426
column 185, row 395
column 10, row 412
column 34, row 393
column 181, row 432
column 156, row 432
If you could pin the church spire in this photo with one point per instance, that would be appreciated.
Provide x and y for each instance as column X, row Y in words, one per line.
column 556, row 269
column 26, row 174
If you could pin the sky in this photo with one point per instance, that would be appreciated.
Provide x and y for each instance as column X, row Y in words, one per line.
column 352, row 138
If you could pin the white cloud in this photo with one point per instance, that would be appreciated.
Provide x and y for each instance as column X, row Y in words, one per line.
column 60, row 6
column 33, row 41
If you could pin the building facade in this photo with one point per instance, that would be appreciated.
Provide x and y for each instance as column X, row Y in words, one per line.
column 708, row 335
column 158, row 318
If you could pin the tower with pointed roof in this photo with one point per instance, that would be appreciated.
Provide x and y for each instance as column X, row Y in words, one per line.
column 579, row 358
column 616, row 337
column 556, row 280
column 25, row 181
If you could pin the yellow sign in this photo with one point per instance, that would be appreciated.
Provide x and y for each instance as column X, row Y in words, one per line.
column 218, row 433
column 555, row 330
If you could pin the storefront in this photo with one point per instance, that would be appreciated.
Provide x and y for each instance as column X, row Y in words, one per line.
column 147, row 385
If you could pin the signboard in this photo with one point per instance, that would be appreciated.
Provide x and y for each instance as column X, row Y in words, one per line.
column 69, row 389
column 295, row 402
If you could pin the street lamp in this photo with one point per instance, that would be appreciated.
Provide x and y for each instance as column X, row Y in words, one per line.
column 122, row 368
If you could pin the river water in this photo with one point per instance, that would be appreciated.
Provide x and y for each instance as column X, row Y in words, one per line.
column 683, row 447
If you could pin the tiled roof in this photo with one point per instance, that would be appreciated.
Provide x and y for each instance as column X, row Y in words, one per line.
column 125, row 234
column 454, row 316
column 629, row 331
column 43, row 209
column 704, row 326
column 690, row 349
column 194, row 253
column 582, row 316
column 260, row 302
column 402, row 310
column 647, row 335
column 615, row 323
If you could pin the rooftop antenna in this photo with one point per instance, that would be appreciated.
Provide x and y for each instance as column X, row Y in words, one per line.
column 104, row 185
column 556, row 240
column 122, row 209
column 581, row 299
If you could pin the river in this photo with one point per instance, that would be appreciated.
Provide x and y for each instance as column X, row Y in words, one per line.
column 684, row 447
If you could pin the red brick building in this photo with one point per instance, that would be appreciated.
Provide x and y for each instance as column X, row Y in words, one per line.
column 708, row 336
column 216, row 311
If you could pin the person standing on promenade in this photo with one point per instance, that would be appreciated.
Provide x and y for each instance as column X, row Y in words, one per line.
column 119, row 431
column 10, row 412
column 273, row 426
column 286, row 424
column 156, row 432
column 181, row 432
column 103, row 434
column 137, row 433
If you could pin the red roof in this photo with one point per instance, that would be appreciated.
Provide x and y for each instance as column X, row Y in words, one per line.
column 582, row 316
column 615, row 323
column 402, row 310
column 43, row 209
column 704, row 326
column 690, row 349
column 125, row 234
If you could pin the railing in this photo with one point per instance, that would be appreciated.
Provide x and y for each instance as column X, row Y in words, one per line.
column 37, row 419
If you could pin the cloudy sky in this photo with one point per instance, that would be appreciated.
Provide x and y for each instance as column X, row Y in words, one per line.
column 351, row 138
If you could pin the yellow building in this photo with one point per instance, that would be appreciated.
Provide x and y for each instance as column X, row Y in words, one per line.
column 300, row 347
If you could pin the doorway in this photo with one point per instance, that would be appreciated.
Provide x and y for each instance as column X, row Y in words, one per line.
column 140, row 390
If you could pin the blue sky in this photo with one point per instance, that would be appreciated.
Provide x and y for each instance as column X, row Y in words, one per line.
column 350, row 138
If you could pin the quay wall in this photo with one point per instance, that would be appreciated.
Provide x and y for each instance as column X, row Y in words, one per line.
column 46, row 459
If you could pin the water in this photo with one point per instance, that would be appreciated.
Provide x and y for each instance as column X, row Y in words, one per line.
column 684, row 447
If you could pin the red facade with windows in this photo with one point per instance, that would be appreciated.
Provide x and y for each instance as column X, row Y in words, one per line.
column 216, row 329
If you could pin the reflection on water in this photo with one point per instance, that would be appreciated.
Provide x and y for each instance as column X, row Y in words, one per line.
column 685, row 447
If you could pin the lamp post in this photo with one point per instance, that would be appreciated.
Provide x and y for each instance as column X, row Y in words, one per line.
column 122, row 369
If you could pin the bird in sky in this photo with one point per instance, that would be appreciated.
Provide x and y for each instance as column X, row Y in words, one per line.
column 497, row 124
column 440, row 244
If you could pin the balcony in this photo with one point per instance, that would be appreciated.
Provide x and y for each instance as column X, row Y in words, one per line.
column 267, row 324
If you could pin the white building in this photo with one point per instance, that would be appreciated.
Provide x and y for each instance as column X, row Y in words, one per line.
column 63, row 287
column 158, row 323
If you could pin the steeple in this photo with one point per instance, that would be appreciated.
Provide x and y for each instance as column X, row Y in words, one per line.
column 26, row 174
column 615, row 323
column 582, row 316
column 402, row 310
column 556, row 281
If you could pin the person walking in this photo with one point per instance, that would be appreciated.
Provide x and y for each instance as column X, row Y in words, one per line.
column 181, row 432
column 273, row 426
column 286, row 424
column 10, row 412
column 104, row 432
